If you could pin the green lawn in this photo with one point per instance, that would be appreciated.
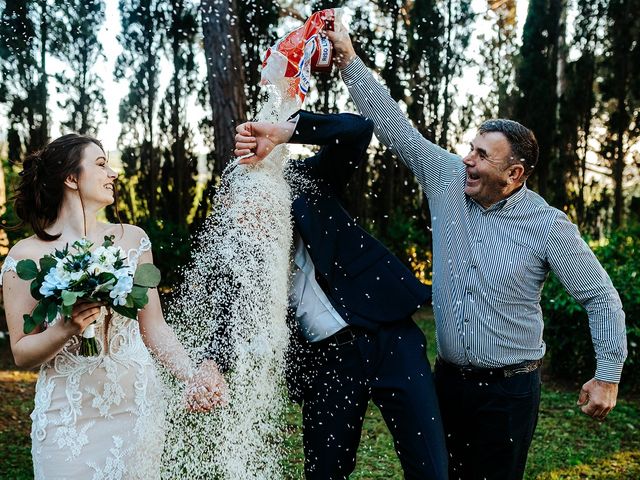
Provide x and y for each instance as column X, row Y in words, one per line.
column 567, row 444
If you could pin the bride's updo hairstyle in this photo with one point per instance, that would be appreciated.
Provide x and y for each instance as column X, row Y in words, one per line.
column 38, row 196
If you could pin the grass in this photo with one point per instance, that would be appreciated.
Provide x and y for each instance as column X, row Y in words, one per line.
column 567, row 444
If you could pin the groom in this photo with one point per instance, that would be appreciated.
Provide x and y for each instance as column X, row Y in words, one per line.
column 353, row 302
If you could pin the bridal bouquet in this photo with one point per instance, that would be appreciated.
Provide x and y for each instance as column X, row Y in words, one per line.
column 78, row 273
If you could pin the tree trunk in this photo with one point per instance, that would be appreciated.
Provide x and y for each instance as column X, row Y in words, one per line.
column 622, row 115
column 447, row 70
column 225, row 75
column 44, row 127
column 151, row 157
column 177, row 149
column 559, row 166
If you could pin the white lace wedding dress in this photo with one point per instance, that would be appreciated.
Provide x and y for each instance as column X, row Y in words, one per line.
column 99, row 417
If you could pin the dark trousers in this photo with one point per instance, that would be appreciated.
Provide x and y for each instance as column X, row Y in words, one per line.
column 390, row 367
column 488, row 425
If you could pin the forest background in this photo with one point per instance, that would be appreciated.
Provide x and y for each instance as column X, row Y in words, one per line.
column 164, row 82
column 186, row 72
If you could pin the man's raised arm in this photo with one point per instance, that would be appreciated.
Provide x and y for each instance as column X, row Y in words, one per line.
column 433, row 166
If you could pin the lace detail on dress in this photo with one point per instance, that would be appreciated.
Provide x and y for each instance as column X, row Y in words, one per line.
column 9, row 265
column 115, row 467
column 103, row 415
column 134, row 253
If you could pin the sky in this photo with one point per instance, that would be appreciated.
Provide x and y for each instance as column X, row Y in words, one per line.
column 114, row 90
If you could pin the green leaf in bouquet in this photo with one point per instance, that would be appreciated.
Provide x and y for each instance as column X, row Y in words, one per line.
column 52, row 311
column 129, row 312
column 104, row 277
column 81, row 246
column 69, row 298
column 40, row 312
column 139, row 296
column 47, row 263
column 35, row 289
column 62, row 253
column 27, row 269
column 29, row 325
column 106, row 280
column 147, row 275
column 66, row 311
column 40, row 278
column 129, row 303
column 107, row 286
column 108, row 241
column 138, row 292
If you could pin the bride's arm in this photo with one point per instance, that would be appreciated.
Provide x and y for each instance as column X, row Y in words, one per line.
column 33, row 349
column 160, row 338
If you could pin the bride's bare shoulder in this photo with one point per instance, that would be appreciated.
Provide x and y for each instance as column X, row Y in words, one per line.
column 31, row 247
column 126, row 235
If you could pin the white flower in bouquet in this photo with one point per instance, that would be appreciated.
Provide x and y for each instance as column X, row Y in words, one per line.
column 101, row 276
column 123, row 287
column 107, row 256
column 56, row 279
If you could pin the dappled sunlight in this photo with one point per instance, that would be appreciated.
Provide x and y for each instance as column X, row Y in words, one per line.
column 18, row 376
column 619, row 466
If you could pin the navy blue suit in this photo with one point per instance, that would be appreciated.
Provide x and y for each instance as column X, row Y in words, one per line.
column 376, row 295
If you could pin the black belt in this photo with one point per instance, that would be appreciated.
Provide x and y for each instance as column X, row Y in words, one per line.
column 341, row 337
column 469, row 372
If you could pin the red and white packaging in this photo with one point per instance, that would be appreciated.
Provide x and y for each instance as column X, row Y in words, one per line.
column 299, row 53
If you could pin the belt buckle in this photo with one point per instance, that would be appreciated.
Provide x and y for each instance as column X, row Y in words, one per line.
column 527, row 368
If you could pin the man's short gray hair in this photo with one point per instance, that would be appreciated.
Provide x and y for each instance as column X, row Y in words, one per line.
column 524, row 146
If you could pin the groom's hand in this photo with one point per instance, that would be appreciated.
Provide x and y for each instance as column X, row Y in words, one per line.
column 256, row 140
column 344, row 52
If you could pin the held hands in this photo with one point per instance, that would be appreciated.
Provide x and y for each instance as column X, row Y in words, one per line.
column 256, row 140
column 207, row 389
column 344, row 52
column 597, row 398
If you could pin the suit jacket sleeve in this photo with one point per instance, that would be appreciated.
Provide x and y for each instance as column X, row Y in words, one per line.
column 344, row 138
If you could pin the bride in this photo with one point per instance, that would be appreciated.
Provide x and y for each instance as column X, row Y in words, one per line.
column 96, row 417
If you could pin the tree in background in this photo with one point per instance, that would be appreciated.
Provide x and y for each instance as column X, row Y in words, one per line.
column 232, row 88
column 257, row 23
column 536, row 78
column 179, row 162
column 577, row 104
column 225, row 75
column 143, row 40
column 498, row 50
column 76, row 29
column 620, row 88
column 24, row 32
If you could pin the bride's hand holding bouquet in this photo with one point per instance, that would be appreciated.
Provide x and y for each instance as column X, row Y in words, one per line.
column 79, row 281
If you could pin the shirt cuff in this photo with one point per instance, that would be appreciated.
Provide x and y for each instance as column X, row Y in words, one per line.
column 354, row 72
column 608, row 371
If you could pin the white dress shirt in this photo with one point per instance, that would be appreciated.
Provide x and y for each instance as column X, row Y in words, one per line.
column 317, row 317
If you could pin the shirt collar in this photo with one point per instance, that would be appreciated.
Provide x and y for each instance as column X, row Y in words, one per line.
column 506, row 203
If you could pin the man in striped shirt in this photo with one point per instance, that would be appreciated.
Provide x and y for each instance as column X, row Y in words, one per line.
column 494, row 243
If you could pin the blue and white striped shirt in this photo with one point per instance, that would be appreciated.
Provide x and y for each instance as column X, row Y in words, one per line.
column 489, row 265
